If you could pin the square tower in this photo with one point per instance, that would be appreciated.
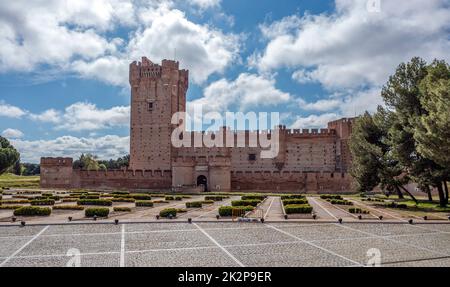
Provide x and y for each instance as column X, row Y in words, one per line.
column 157, row 92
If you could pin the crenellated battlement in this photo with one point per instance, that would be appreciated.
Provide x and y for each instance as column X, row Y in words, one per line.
column 56, row 161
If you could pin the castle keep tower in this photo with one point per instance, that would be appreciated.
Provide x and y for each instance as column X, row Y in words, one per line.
column 157, row 92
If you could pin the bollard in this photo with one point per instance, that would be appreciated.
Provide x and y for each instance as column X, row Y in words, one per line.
column 410, row 221
column 359, row 217
column 22, row 223
column 189, row 220
column 157, row 216
column 381, row 217
column 340, row 220
column 314, row 216
column 285, row 216
column 262, row 220
column 69, row 218
column 13, row 219
column 425, row 217
column 217, row 217
column 116, row 221
column 95, row 217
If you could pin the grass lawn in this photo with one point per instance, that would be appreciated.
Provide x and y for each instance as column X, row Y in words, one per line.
column 423, row 205
column 12, row 180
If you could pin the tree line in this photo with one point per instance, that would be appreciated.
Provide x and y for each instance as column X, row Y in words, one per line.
column 408, row 139
column 91, row 162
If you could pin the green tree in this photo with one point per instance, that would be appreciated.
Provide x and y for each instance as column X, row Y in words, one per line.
column 8, row 155
column 403, row 97
column 87, row 162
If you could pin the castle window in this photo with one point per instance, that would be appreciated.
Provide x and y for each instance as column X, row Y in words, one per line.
column 150, row 107
column 251, row 156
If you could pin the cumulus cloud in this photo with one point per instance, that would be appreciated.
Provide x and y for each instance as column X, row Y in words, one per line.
column 106, row 147
column 313, row 121
column 246, row 91
column 354, row 47
column 10, row 111
column 49, row 116
column 12, row 133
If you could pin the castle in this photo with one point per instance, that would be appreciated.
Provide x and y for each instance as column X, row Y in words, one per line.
column 307, row 160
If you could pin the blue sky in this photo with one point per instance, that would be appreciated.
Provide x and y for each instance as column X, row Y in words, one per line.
column 64, row 64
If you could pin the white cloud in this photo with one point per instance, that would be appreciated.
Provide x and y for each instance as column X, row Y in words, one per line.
column 353, row 47
column 12, row 133
column 87, row 117
column 109, row 69
column 314, row 121
column 106, row 147
column 246, row 91
column 204, row 4
column 9, row 111
column 49, row 116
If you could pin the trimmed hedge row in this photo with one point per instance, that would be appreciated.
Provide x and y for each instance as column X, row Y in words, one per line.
column 168, row 212
column 122, row 209
column 170, row 197
column 10, row 206
column 253, row 197
column 143, row 203
column 96, row 211
column 43, row 202
column 228, row 210
column 292, row 196
column 32, row 211
column 358, row 210
column 331, row 196
column 215, row 197
column 88, row 196
column 396, row 205
column 194, row 204
column 120, row 192
column 340, row 202
column 298, row 208
column 68, row 207
column 252, row 202
column 295, row 201
column 12, row 201
column 123, row 199
column 100, row 202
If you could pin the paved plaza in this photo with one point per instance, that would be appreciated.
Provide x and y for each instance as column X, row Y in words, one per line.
column 225, row 244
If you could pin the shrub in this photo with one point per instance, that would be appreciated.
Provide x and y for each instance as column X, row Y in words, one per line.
column 207, row 201
column 294, row 201
column 120, row 192
column 228, row 210
column 169, row 197
column 32, row 211
column 298, row 208
column 181, row 210
column 43, row 202
column 122, row 209
column 194, row 204
column 70, row 199
column 168, row 211
column 13, row 201
column 10, row 206
column 215, row 197
column 123, row 199
column 396, row 205
column 160, row 201
column 100, row 202
column 96, row 211
column 68, row 207
column 340, row 202
column 145, row 203
column 292, row 196
column 331, row 196
column 138, row 196
column 253, row 197
column 357, row 210
column 90, row 196
column 252, row 202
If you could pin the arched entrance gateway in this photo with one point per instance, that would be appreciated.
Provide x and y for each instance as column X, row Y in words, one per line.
column 202, row 181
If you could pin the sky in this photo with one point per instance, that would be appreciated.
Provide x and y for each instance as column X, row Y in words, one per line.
column 64, row 64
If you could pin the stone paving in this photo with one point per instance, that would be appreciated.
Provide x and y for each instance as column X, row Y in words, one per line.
column 225, row 244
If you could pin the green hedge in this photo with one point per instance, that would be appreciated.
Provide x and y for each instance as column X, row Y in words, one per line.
column 295, row 201
column 123, row 199
column 120, row 192
column 139, row 196
column 43, row 202
column 228, row 210
column 194, row 204
column 168, row 211
column 253, row 197
column 12, row 201
column 396, row 205
column 207, row 201
column 170, row 197
column 96, row 211
column 215, row 197
column 340, row 202
column 357, row 210
column 252, row 202
column 331, row 196
column 32, row 211
column 122, row 209
column 68, row 207
column 90, row 196
column 141, row 203
column 292, row 196
column 100, row 202
column 70, row 199
column 298, row 208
